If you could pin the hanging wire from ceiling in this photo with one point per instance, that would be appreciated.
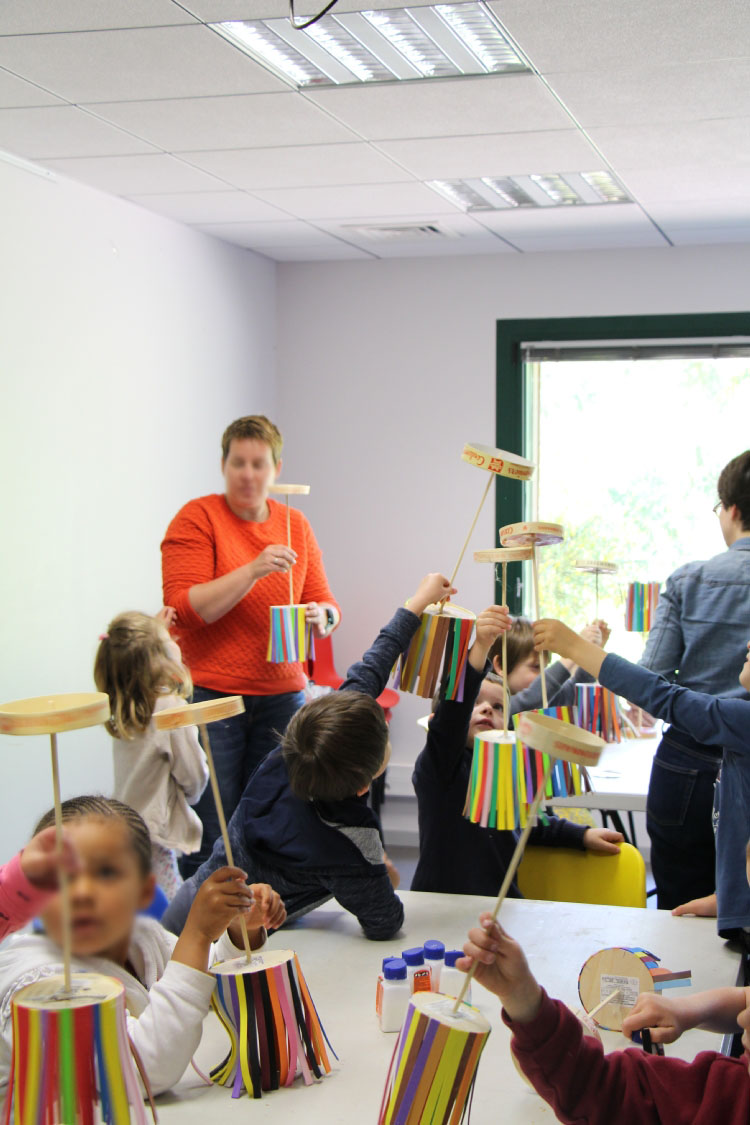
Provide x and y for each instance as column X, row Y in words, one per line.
column 313, row 19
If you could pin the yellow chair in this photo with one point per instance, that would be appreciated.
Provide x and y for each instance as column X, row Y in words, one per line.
column 565, row 875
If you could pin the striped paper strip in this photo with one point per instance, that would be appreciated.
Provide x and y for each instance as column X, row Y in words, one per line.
column 290, row 638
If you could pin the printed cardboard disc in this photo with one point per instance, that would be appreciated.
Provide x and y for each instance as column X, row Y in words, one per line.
column 438, row 1007
column 529, row 534
column 448, row 609
column 602, row 974
column 595, row 566
column 290, row 489
column 258, row 963
column 504, row 554
column 198, row 714
column 50, row 714
column 505, row 738
column 559, row 739
column 50, row 994
column 497, row 461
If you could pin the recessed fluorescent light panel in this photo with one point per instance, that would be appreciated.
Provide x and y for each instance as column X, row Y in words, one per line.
column 393, row 44
column 499, row 193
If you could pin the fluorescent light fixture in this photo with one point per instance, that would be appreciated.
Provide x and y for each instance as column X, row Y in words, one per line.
column 26, row 165
column 438, row 41
column 498, row 193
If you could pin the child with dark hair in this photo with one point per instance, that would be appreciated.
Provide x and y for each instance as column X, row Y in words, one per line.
column 303, row 823
column 523, row 672
column 167, row 986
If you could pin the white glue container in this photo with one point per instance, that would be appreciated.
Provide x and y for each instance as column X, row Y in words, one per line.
column 414, row 964
column 379, row 988
column 452, row 979
column 434, row 955
column 395, row 995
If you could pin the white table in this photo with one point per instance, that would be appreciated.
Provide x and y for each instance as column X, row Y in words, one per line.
column 621, row 778
column 341, row 969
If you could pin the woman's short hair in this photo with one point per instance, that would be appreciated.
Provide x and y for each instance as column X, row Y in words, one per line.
column 256, row 427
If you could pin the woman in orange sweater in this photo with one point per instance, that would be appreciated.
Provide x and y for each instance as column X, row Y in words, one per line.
column 225, row 561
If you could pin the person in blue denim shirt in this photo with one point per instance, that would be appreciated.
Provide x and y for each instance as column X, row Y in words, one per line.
column 698, row 641
column 712, row 720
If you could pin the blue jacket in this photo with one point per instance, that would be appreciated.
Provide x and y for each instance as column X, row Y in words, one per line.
column 709, row 719
column 312, row 851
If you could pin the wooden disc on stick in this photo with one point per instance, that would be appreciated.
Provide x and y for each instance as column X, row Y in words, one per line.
column 290, row 489
column 497, row 461
column 559, row 739
column 198, row 714
column 609, row 969
column 51, row 714
column 504, row 555
column 595, row 566
column 531, row 533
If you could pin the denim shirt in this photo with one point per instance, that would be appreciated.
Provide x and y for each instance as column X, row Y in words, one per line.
column 702, row 624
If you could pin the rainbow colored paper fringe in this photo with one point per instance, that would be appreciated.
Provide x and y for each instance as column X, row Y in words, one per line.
column 598, row 710
column 432, row 1072
column 420, row 666
column 290, row 638
column 274, row 1030
column 505, row 778
column 662, row 978
column 640, row 606
column 67, row 1059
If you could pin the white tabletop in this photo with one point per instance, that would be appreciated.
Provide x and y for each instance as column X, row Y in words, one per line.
column 341, row 969
column 621, row 778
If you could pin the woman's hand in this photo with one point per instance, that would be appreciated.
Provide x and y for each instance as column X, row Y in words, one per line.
column 317, row 616
column 502, row 968
column 276, row 559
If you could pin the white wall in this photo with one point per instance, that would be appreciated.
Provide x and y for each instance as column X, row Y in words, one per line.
column 128, row 342
column 386, row 368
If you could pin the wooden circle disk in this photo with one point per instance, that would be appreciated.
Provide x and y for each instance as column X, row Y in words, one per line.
column 559, row 739
column 438, row 609
column 613, row 963
column 198, row 714
column 438, row 1007
column 504, row 555
column 290, row 489
column 85, row 989
column 506, row 738
column 497, row 461
column 595, row 566
column 528, row 534
column 259, row 963
column 50, row 714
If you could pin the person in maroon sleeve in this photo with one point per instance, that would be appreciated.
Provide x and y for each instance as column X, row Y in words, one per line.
column 586, row 1087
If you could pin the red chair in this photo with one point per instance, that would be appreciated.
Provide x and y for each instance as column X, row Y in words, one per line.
column 323, row 672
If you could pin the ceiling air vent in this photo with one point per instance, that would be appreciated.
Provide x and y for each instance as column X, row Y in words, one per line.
column 398, row 232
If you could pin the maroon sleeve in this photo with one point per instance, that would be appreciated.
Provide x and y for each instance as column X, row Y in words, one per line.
column 582, row 1084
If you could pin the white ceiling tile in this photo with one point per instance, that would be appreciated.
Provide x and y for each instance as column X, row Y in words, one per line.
column 571, row 228
column 154, row 62
column 62, row 131
column 580, row 34
column 660, row 147
column 289, row 233
column 16, row 92
column 460, row 234
column 356, row 200
column 136, row 175
column 459, row 106
column 29, row 17
column 209, row 207
column 720, row 213
column 689, row 183
column 299, row 166
column 650, row 95
column 250, row 121
column 506, row 154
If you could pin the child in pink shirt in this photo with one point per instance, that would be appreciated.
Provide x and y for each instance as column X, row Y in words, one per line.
column 31, row 877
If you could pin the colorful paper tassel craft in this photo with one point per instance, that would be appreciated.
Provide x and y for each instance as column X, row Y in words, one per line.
column 505, row 776
column 630, row 970
column 434, row 1064
column 598, row 710
column 71, row 1062
column 441, row 644
column 640, row 606
column 291, row 638
column 272, row 1023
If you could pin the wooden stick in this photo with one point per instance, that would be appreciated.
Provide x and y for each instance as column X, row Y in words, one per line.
column 67, row 931
column 596, row 576
column 289, row 545
column 602, row 1004
column 535, row 575
column 223, row 825
column 512, row 867
column 471, row 529
column 506, row 692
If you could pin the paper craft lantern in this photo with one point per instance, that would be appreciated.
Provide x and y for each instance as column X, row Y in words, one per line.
column 290, row 637
column 440, row 647
column 640, row 606
column 598, row 710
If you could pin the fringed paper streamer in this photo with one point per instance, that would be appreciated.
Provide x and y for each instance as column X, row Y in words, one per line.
column 598, row 711
column 290, row 639
column 273, row 1027
column 640, row 606
column 433, row 1069
column 629, row 969
column 438, row 650
column 71, row 1054
column 506, row 774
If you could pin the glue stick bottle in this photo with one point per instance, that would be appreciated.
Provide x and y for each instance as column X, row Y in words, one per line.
column 395, row 995
column 417, row 974
column 434, row 955
column 451, row 978
column 379, row 989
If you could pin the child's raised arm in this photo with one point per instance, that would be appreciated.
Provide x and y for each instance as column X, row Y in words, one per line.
column 502, row 968
column 553, row 635
column 31, row 876
column 491, row 623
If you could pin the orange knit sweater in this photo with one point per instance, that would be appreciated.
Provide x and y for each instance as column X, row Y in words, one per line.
column 205, row 540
